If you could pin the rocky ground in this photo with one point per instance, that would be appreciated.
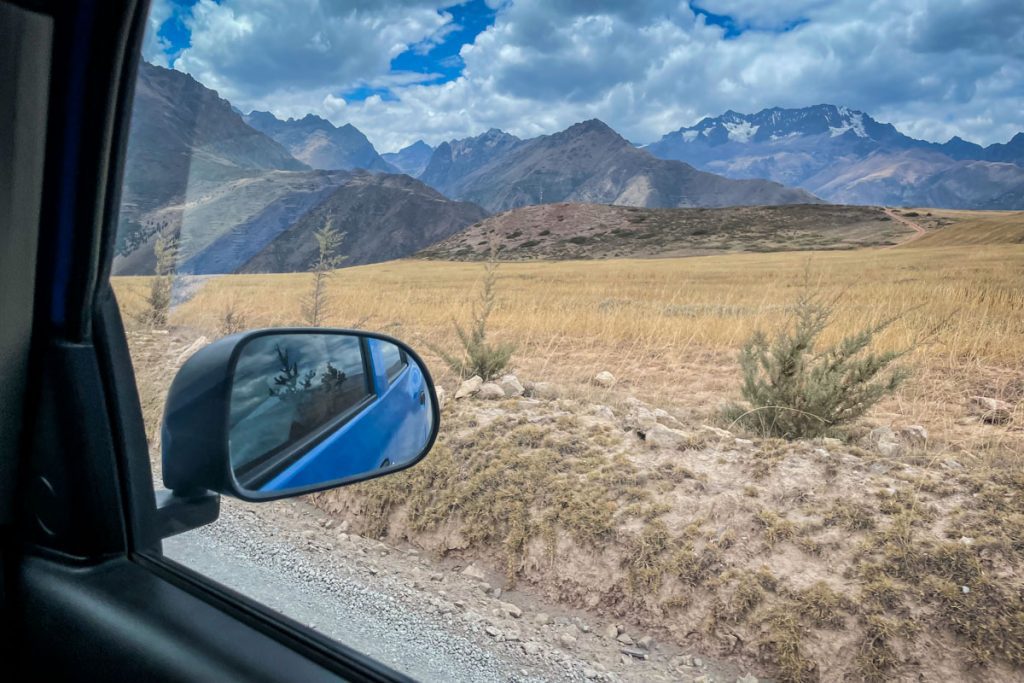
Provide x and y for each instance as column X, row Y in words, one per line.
column 560, row 532
column 432, row 620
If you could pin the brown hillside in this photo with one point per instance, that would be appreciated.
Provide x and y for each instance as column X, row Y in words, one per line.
column 590, row 231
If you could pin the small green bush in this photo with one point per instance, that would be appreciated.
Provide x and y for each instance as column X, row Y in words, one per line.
column 796, row 390
column 479, row 357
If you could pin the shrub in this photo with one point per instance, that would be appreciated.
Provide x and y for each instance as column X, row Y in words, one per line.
column 795, row 389
column 328, row 240
column 158, row 303
column 479, row 357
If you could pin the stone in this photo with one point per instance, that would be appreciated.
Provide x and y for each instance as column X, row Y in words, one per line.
column 474, row 572
column 542, row 618
column 603, row 412
column 634, row 653
column 698, row 662
column 743, row 443
column 885, row 442
column 512, row 636
column 646, row 642
column 567, row 641
column 915, row 436
column 545, row 390
column 511, row 610
column 991, row 410
column 611, row 632
column 531, row 648
column 625, row 639
column 511, row 386
column 666, row 418
column 660, row 436
column 590, row 674
column 492, row 631
column 469, row 387
column 720, row 433
column 747, row 679
column 604, row 379
column 490, row 391
column 442, row 397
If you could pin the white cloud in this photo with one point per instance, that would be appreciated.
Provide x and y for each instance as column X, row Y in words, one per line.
column 934, row 68
column 153, row 46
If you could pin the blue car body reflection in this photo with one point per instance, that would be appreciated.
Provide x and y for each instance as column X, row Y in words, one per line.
column 389, row 430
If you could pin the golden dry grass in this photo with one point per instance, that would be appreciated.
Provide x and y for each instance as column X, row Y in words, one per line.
column 670, row 328
column 973, row 228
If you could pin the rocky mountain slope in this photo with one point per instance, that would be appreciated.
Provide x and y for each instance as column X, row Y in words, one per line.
column 845, row 155
column 588, row 162
column 411, row 160
column 320, row 143
column 383, row 217
column 592, row 231
column 198, row 173
column 185, row 138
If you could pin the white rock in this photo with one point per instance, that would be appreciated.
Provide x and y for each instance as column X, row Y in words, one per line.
column 603, row 412
column 469, row 387
column 511, row 386
column 545, row 390
column 442, row 397
column 474, row 572
column 914, row 435
column 492, row 631
column 567, row 641
column 542, row 618
column 590, row 674
column 625, row 639
column 660, row 436
column 747, row 679
column 646, row 642
column 991, row 410
column 531, row 648
column 604, row 379
column 721, row 433
column 511, row 610
column 490, row 392
column 611, row 632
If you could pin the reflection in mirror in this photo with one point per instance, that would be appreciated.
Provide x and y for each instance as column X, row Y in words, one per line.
column 308, row 408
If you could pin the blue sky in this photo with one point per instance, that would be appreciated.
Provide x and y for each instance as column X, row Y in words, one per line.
column 401, row 70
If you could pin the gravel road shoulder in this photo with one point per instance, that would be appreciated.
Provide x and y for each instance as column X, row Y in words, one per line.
column 420, row 616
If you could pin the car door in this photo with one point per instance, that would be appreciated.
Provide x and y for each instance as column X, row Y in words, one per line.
column 87, row 592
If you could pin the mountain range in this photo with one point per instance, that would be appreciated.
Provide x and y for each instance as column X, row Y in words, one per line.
column 587, row 162
column 846, row 156
column 320, row 144
column 245, row 191
column 197, row 171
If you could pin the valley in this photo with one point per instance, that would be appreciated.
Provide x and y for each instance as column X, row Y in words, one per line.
column 777, row 557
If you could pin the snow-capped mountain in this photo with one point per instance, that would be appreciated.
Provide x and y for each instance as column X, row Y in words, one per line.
column 822, row 148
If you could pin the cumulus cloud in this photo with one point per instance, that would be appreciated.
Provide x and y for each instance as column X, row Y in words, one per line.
column 934, row 68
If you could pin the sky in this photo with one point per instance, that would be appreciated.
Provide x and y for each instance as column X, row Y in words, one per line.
column 402, row 70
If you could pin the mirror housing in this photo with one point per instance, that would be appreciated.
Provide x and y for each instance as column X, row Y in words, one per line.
column 217, row 417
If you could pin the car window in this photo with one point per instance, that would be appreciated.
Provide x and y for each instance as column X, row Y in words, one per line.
column 723, row 302
column 392, row 358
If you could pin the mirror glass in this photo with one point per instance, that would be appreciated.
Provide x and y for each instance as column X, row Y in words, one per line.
column 311, row 408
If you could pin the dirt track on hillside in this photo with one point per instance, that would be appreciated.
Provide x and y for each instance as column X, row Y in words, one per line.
column 919, row 232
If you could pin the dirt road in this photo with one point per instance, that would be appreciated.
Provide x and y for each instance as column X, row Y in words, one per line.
column 919, row 232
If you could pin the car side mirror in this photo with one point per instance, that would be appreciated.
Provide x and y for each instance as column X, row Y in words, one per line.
column 281, row 412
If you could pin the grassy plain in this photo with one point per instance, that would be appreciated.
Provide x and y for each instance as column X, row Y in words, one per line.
column 824, row 565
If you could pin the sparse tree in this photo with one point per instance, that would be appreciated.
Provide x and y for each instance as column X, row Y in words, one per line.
column 328, row 241
column 165, row 249
column 796, row 389
column 479, row 357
